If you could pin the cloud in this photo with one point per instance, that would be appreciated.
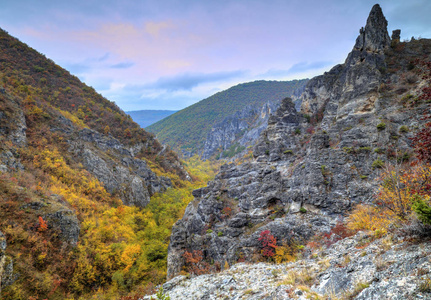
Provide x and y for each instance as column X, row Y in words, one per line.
column 305, row 66
column 188, row 81
column 153, row 28
column 297, row 69
column 77, row 68
column 104, row 57
column 136, row 97
column 171, row 52
column 122, row 65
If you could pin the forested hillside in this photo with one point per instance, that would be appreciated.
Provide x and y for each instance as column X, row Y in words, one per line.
column 187, row 129
column 87, row 197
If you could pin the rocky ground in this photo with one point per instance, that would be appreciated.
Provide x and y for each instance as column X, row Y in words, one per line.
column 358, row 267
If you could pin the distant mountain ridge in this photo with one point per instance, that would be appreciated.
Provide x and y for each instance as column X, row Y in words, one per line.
column 148, row 117
column 187, row 130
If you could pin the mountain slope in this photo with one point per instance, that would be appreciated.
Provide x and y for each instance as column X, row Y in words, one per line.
column 237, row 132
column 310, row 168
column 148, row 117
column 187, row 129
column 75, row 175
column 45, row 86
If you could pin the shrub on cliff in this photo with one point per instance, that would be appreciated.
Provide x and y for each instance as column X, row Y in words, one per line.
column 268, row 243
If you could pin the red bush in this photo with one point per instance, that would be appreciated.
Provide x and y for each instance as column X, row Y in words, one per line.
column 269, row 243
column 422, row 143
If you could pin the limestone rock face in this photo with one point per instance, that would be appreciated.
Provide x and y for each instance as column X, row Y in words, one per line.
column 12, row 121
column 6, row 265
column 12, row 129
column 309, row 167
column 240, row 130
column 374, row 37
column 64, row 220
column 132, row 178
column 58, row 216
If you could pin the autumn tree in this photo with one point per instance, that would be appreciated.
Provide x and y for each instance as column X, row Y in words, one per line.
column 195, row 263
column 42, row 224
column 268, row 243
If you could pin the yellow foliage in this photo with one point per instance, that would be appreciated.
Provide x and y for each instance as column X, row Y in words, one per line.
column 226, row 265
column 128, row 242
column 72, row 118
column 367, row 217
column 129, row 256
column 204, row 171
column 34, row 110
column 393, row 203
column 285, row 253
column 394, row 192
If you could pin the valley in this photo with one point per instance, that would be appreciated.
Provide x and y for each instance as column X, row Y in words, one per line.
column 302, row 189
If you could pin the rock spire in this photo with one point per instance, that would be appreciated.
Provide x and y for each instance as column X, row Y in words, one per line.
column 374, row 37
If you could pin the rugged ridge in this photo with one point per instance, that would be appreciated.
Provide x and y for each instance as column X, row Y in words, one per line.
column 237, row 131
column 117, row 156
column 120, row 171
column 242, row 129
column 212, row 125
column 318, row 161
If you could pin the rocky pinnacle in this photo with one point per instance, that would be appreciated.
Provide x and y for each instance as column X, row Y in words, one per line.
column 374, row 37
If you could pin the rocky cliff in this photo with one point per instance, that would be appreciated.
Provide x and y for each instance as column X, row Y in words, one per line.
column 311, row 167
column 117, row 167
column 241, row 130
column 231, row 136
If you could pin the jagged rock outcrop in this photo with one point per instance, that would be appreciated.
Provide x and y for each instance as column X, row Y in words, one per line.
column 63, row 220
column 58, row 216
column 6, row 265
column 115, row 165
column 117, row 168
column 311, row 166
column 374, row 37
column 12, row 130
column 396, row 35
column 242, row 129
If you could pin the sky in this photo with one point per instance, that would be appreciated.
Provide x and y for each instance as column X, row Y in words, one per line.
column 169, row 54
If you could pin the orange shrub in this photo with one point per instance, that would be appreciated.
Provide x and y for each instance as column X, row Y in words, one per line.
column 195, row 263
column 42, row 224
